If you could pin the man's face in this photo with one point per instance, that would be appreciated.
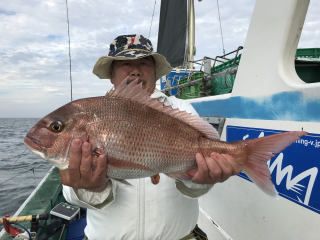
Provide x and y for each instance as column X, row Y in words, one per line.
column 143, row 68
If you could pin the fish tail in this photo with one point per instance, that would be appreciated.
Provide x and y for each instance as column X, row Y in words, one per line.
column 259, row 151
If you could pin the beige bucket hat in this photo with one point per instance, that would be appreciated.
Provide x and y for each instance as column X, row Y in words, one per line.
column 132, row 47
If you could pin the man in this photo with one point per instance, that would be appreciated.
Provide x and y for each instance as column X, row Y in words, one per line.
column 168, row 210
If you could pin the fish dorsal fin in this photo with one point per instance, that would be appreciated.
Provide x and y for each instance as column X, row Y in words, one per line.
column 134, row 92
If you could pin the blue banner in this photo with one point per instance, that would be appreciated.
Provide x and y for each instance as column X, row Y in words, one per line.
column 294, row 171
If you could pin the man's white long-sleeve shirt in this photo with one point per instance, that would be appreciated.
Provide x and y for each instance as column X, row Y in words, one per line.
column 143, row 211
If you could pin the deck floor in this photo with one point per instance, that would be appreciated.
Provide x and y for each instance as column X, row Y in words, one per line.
column 48, row 195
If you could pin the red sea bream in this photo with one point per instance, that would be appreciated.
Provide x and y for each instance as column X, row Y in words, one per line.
column 142, row 137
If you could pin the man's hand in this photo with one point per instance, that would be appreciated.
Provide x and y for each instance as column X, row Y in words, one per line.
column 216, row 168
column 81, row 173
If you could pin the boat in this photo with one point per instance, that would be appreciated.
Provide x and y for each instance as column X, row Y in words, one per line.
column 269, row 87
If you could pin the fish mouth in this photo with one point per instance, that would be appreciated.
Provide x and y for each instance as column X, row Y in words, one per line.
column 30, row 144
column 59, row 162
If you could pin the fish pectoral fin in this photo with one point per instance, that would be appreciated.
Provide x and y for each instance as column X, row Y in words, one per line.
column 188, row 175
column 155, row 179
column 123, row 181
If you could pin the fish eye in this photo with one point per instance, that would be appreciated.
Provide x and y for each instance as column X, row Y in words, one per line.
column 56, row 126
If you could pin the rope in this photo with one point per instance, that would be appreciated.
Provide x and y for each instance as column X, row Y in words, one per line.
column 186, row 52
column 69, row 47
column 155, row 1
column 34, row 177
column 17, row 159
column 4, row 158
column 11, row 169
column 224, row 53
column 16, row 176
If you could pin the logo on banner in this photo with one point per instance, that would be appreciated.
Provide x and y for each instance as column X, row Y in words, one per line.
column 293, row 171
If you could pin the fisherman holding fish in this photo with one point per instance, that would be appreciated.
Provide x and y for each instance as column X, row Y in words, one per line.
column 106, row 147
column 168, row 210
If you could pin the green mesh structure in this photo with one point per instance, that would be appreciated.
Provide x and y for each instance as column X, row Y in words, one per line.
column 191, row 91
column 220, row 85
column 224, row 84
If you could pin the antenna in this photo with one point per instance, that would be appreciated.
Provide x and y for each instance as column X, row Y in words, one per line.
column 69, row 48
column 224, row 53
column 152, row 17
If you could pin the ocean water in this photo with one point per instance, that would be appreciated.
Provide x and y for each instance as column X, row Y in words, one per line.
column 17, row 180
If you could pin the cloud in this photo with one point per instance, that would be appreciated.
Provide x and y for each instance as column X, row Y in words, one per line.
column 34, row 49
column 7, row 12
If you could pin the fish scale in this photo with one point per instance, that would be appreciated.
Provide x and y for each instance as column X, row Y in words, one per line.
column 182, row 157
column 142, row 132
column 142, row 137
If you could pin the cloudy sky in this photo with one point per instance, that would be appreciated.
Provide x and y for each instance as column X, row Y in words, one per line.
column 34, row 63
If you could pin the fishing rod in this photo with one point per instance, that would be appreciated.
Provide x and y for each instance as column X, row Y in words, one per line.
column 44, row 216
column 8, row 223
column 62, row 215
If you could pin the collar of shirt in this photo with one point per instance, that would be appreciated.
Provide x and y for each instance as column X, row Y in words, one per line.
column 157, row 94
column 161, row 97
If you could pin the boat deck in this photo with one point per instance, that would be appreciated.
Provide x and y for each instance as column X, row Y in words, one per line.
column 47, row 195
